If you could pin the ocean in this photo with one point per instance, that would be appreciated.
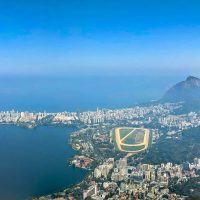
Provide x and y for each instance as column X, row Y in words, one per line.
column 79, row 93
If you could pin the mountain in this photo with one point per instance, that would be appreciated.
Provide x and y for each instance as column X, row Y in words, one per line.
column 187, row 91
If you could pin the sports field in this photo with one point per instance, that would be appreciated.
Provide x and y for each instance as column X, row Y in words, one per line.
column 131, row 140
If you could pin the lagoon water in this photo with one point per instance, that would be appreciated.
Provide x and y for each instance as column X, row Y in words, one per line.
column 34, row 161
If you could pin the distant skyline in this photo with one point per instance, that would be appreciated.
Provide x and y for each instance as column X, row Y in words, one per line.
column 100, row 37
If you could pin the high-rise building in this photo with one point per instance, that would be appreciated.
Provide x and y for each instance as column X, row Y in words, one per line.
column 197, row 161
column 122, row 163
column 92, row 190
column 97, row 173
column 147, row 175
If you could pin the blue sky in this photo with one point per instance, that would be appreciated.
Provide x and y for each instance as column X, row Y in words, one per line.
column 111, row 37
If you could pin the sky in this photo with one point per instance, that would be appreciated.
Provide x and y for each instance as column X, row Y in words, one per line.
column 99, row 37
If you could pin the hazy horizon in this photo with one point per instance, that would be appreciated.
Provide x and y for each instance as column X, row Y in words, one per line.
column 81, row 93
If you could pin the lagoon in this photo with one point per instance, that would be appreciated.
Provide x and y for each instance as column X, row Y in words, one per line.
column 33, row 162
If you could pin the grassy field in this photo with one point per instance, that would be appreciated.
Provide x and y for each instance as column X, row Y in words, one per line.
column 124, row 132
column 130, row 139
column 136, row 137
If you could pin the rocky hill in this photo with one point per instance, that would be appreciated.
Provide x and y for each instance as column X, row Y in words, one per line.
column 187, row 91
